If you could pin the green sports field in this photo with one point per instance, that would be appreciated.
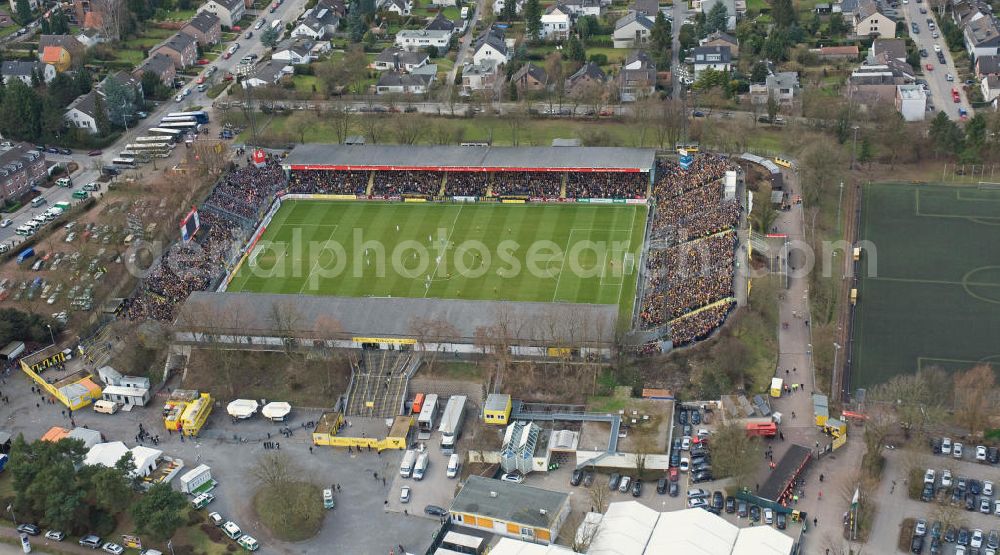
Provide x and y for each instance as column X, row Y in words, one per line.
column 573, row 253
column 934, row 296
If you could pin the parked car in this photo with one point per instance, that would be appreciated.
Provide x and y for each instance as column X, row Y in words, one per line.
column 988, row 488
column 730, row 504
column 768, row 516
column 6, row 222
column 703, row 476
column 741, row 510
column 29, row 529
column 920, row 528
column 216, row 518
column 614, row 480
column 588, row 478
column 661, row 486
column 917, row 544
column 963, row 536
column 674, row 490
column 697, row 502
column 993, row 455
column 112, row 548
column 96, row 152
column 945, row 446
column 515, row 477
column 576, row 478
column 781, row 521
column 55, row 535
column 956, row 450
column 976, row 541
column 985, row 505
column 981, row 453
column 637, row 488
column 404, row 494
column 946, row 478
column 754, row 513
column 624, row 485
column 682, row 417
column 697, row 492
column 434, row 510
column 718, row 501
column 91, row 541
column 929, row 476
column 927, row 494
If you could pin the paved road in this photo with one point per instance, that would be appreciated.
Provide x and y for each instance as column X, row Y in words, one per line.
column 940, row 87
column 680, row 12
column 466, row 40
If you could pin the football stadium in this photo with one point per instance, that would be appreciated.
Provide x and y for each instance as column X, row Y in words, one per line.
column 548, row 250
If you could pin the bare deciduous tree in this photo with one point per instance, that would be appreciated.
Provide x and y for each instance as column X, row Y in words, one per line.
column 975, row 390
column 274, row 469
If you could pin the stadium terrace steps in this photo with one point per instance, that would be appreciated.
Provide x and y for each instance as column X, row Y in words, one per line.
column 380, row 382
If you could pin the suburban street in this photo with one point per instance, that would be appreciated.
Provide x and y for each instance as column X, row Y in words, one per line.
column 940, row 87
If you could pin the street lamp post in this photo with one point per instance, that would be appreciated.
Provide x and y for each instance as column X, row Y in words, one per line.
column 51, row 335
column 834, row 388
column 840, row 202
column 854, row 149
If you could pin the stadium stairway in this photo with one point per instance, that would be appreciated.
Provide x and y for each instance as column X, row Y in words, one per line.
column 444, row 185
column 371, row 184
column 562, row 187
column 380, row 382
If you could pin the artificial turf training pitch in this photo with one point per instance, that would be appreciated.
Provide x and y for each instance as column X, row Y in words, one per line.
column 574, row 253
column 933, row 296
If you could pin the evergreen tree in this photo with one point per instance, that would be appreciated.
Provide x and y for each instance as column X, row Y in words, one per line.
column 758, row 74
column 20, row 113
column 84, row 81
column 23, row 12
column 575, row 51
column 512, row 91
column 52, row 118
column 44, row 26
column 509, row 10
column 532, row 19
column 36, row 80
column 101, row 116
column 866, row 154
column 356, row 26
column 662, row 40
column 717, row 18
column 783, row 13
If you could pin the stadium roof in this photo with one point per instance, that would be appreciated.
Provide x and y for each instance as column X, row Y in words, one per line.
column 547, row 324
column 468, row 158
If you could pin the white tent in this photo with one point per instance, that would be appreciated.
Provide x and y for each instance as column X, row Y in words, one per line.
column 89, row 437
column 145, row 459
column 106, row 454
column 276, row 410
column 242, row 408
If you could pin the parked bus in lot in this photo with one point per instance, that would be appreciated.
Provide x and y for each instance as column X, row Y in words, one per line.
column 157, row 150
column 154, row 139
column 120, row 162
column 200, row 116
column 174, row 134
column 428, row 413
column 182, row 126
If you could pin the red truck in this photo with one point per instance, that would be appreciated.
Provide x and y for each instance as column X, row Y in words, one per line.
column 762, row 429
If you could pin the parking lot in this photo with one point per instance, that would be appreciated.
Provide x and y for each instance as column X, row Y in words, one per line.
column 434, row 489
column 231, row 450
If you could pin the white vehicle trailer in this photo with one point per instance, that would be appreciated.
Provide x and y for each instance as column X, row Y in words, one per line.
column 406, row 467
column 451, row 422
column 196, row 480
column 425, row 422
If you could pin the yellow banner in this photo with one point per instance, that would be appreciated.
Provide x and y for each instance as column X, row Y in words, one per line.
column 839, row 442
column 414, row 199
column 325, row 196
column 560, row 352
column 49, row 362
column 390, row 340
column 512, row 201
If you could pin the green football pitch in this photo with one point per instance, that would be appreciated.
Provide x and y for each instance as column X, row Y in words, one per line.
column 933, row 296
column 516, row 252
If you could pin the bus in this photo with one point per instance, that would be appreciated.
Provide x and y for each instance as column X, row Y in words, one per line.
column 425, row 422
column 158, row 150
column 174, row 134
column 690, row 147
column 156, row 139
column 182, row 126
column 178, row 120
column 783, row 162
column 200, row 116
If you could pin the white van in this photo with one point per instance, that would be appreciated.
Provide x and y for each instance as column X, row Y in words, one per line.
column 105, row 407
column 465, row 12
column 453, row 463
column 37, row 201
column 24, row 230
column 421, row 467
column 232, row 530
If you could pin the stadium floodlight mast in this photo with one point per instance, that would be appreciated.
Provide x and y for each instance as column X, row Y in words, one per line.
column 244, row 71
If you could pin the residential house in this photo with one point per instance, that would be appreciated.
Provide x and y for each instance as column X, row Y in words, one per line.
column 632, row 30
column 991, row 88
column 90, row 38
column 964, row 12
column 882, row 74
column 230, row 12
column 160, row 65
column 21, row 168
column 394, row 82
column 414, row 40
column 480, row 77
column 82, row 112
column 579, row 8
column 883, row 49
column 397, row 59
column 731, row 12
column 823, row 8
column 590, row 73
column 399, row 7
column 556, row 23
column 648, row 8
column 718, row 58
column 299, row 50
column 205, row 27
column 441, row 23
column 987, row 65
column 338, row 7
column 491, row 46
column 833, row 53
column 869, row 21
column 317, row 23
column 498, row 6
column 270, row 73
column 530, row 77
column 63, row 51
column 783, row 87
column 25, row 70
column 982, row 37
column 911, row 102
column 57, row 57
column 33, row 4
column 498, row 507
column 719, row 38
column 182, row 48
column 637, row 78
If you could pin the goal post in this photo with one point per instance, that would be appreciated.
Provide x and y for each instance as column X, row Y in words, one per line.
column 628, row 263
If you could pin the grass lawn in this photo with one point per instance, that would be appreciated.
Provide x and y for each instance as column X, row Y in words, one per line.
column 928, row 296
column 8, row 30
column 180, row 15
column 133, row 57
column 305, row 84
column 757, row 5
column 596, row 239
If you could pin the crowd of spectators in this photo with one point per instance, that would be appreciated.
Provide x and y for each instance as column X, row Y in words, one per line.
column 466, row 184
column 331, row 182
column 395, row 183
column 195, row 265
column 529, row 184
column 607, row 184
column 695, row 267
column 246, row 190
